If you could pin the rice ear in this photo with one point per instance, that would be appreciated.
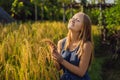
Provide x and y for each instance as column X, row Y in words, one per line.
column 50, row 43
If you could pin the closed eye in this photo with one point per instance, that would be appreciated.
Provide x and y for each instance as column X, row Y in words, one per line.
column 76, row 19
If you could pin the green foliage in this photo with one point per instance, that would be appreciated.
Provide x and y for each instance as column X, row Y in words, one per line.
column 47, row 9
column 19, row 9
column 36, row 1
column 112, row 16
column 95, row 70
column 64, row 1
column 94, row 15
column 53, row 10
column 6, row 5
column 83, row 2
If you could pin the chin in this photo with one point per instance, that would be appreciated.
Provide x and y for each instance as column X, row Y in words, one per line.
column 70, row 28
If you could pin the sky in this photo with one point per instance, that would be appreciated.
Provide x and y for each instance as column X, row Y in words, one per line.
column 107, row 1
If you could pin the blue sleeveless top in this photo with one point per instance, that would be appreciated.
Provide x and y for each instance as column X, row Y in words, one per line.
column 72, row 58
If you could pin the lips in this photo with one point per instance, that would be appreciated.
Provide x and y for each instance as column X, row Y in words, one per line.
column 72, row 24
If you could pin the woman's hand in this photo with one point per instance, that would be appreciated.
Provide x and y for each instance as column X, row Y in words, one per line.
column 55, row 54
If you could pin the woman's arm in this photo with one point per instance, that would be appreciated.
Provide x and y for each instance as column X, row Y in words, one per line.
column 84, row 61
column 59, row 48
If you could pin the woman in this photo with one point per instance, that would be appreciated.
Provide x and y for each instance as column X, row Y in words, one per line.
column 74, row 53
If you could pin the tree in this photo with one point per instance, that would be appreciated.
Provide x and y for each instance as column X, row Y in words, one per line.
column 6, row 5
column 36, row 4
column 83, row 4
column 101, row 1
column 64, row 2
column 22, row 8
column 113, row 17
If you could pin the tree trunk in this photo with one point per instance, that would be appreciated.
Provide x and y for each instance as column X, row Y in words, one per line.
column 35, row 11
column 71, row 8
column 42, row 16
column 64, row 20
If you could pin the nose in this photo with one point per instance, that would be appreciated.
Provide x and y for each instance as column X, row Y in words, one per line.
column 72, row 20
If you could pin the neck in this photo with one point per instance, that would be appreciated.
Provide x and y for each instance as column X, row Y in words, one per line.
column 74, row 36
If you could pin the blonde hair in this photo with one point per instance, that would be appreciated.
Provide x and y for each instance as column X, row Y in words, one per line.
column 84, row 36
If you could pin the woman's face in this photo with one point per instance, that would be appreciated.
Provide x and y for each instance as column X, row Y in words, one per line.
column 76, row 22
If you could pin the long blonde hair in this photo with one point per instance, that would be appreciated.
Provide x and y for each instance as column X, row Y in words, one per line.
column 84, row 36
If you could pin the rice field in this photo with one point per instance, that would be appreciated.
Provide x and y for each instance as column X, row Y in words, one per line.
column 24, row 57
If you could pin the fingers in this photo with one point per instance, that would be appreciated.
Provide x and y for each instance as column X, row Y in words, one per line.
column 54, row 51
column 55, row 54
column 54, row 58
column 51, row 44
column 53, row 47
column 57, row 57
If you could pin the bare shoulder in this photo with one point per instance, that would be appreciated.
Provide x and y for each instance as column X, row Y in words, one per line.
column 88, row 47
column 59, row 45
column 88, row 44
column 60, row 42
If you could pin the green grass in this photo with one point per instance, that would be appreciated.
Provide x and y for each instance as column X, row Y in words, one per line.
column 95, row 70
column 24, row 57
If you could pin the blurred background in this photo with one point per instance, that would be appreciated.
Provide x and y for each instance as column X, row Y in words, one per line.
column 24, row 23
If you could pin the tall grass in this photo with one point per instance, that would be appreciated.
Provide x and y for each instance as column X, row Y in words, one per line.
column 22, row 54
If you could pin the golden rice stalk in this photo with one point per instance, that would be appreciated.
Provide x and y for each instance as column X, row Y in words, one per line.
column 50, row 43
